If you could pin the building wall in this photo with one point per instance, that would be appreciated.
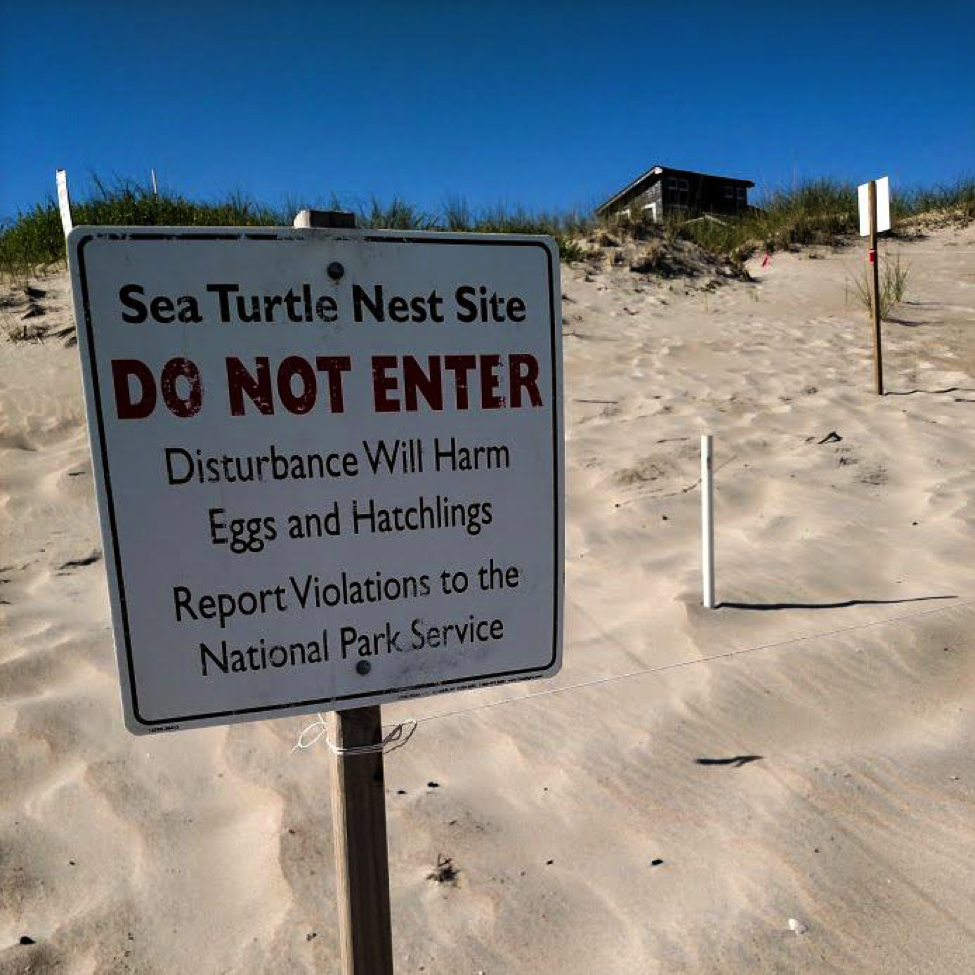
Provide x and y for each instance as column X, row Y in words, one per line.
column 634, row 205
column 675, row 193
column 650, row 202
column 692, row 193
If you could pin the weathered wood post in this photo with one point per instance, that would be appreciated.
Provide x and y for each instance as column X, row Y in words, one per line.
column 358, row 799
column 878, row 361
column 359, row 831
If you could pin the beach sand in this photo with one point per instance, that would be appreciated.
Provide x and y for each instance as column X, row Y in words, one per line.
column 669, row 822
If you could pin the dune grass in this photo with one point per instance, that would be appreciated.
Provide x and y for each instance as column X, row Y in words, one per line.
column 816, row 212
column 820, row 211
column 892, row 278
column 34, row 238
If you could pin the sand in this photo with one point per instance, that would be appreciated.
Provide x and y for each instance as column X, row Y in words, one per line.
column 670, row 822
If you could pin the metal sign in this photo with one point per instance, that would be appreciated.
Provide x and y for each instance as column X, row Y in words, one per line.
column 328, row 464
column 883, row 206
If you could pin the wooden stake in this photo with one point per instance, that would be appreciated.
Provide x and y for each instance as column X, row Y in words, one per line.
column 358, row 800
column 328, row 219
column 359, row 829
column 878, row 357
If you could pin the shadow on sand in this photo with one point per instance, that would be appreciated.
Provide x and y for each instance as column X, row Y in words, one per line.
column 736, row 761
column 930, row 392
column 844, row 604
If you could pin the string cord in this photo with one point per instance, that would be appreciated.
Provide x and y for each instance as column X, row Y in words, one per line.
column 611, row 678
column 396, row 736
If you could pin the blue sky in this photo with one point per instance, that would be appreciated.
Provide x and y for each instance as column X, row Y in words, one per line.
column 547, row 104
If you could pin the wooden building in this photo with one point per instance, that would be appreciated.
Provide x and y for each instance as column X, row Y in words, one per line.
column 662, row 192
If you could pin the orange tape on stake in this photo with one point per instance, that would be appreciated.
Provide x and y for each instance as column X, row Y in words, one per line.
column 873, row 257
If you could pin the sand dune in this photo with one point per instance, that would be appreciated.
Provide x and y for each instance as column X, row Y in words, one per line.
column 671, row 822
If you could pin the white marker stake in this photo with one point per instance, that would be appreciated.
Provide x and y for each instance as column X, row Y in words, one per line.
column 155, row 191
column 64, row 201
column 707, row 523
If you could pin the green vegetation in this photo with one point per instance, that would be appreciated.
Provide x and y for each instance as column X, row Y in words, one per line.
column 817, row 212
column 35, row 238
column 893, row 284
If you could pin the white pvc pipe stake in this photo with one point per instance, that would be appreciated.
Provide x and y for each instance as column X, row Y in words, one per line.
column 64, row 201
column 707, row 522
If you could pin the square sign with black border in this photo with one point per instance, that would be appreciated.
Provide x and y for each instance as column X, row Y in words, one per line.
column 328, row 464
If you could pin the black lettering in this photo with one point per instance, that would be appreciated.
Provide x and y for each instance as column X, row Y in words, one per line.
column 375, row 307
column 181, row 600
column 326, row 309
column 469, row 312
column 224, row 291
column 189, row 311
column 399, row 310
column 161, row 309
column 127, row 297
column 174, row 453
column 221, row 661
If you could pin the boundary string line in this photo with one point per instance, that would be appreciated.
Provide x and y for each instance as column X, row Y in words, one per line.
column 396, row 734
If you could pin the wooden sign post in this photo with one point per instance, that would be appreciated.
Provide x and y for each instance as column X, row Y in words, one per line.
column 358, row 799
column 874, row 205
column 359, row 831
column 878, row 356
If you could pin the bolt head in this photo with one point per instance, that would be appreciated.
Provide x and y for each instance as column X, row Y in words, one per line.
column 363, row 667
column 335, row 271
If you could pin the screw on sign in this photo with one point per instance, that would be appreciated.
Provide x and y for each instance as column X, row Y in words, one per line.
column 328, row 464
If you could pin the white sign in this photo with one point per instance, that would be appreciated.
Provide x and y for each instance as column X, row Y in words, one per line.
column 64, row 201
column 883, row 206
column 328, row 464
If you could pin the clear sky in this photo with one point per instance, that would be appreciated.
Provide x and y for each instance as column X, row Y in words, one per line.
column 536, row 102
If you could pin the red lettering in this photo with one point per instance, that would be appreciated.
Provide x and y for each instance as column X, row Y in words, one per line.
column 183, row 406
column 240, row 381
column 414, row 378
column 128, row 409
column 526, row 380
column 383, row 384
column 460, row 366
column 490, row 382
column 304, row 401
column 333, row 366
